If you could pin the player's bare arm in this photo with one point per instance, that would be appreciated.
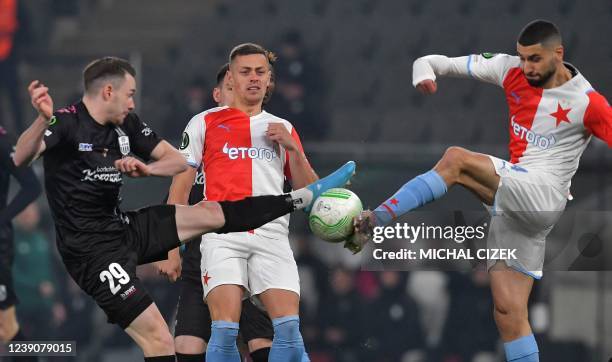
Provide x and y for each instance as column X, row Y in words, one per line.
column 168, row 162
column 31, row 144
column 301, row 172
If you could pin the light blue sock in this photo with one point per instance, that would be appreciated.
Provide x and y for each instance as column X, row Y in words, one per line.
column 415, row 193
column 287, row 345
column 524, row 349
column 222, row 343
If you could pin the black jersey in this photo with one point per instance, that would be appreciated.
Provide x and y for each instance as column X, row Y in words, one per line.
column 6, row 164
column 82, row 182
column 30, row 188
column 192, row 255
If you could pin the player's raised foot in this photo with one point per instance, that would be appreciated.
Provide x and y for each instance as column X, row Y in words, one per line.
column 363, row 225
column 338, row 178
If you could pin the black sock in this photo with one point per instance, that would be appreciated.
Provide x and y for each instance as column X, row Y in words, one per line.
column 20, row 337
column 171, row 358
column 253, row 212
column 261, row 355
column 190, row 357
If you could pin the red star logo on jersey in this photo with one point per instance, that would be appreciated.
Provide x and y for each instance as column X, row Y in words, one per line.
column 206, row 278
column 394, row 202
column 561, row 114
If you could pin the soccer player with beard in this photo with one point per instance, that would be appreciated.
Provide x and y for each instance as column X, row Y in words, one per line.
column 554, row 112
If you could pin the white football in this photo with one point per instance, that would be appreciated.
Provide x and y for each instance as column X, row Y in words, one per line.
column 331, row 218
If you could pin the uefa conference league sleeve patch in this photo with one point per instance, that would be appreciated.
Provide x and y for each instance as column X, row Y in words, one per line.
column 487, row 55
column 184, row 141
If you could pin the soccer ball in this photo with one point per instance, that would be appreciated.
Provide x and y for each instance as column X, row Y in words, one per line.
column 331, row 218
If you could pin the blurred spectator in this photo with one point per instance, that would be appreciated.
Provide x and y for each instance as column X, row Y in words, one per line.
column 33, row 273
column 429, row 290
column 13, row 34
column 393, row 318
column 470, row 329
column 313, row 277
column 74, row 318
column 300, row 89
column 340, row 315
column 196, row 98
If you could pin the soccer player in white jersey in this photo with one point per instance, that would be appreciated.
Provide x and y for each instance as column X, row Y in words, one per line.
column 554, row 111
column 247, row 151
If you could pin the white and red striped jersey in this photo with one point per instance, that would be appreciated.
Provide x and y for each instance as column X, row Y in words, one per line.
column 237, row 158
column 549, row 128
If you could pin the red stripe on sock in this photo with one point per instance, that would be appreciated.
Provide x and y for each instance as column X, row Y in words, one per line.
column 389, row 210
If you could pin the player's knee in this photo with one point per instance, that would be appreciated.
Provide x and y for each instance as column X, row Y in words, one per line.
column 160, row 341
column 505, row 302
column 509, row 313
column 212, row 214
column 453, row 159
column 287, row 330
column 455, row 155
column 189, row 345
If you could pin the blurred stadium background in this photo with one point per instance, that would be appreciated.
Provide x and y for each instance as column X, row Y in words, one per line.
column 344, row 80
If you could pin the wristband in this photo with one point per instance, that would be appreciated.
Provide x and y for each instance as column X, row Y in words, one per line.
column 51, row 121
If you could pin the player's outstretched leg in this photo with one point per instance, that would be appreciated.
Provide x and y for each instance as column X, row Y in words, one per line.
column 475, row 171
column 253, row 212
column 511, row 290
column 150, row 331
column 417, row 192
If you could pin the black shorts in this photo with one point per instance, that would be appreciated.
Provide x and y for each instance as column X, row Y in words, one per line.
column 110, row 275
column 7, row 290
column 193, row 317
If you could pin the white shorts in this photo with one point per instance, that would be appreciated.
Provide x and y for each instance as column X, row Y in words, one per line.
column 525, row 209
column 256, row 262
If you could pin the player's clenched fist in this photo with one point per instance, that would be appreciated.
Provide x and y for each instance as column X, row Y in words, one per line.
column 277, row 132
column 427, row 86
column 170, row 267
column 132, row 167
column 40, row 98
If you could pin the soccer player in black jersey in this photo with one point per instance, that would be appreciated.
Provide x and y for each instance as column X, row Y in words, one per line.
column 87, row 147
column 29, row 191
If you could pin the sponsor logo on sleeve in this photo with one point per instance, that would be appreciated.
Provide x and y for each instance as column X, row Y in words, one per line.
column 146, row 131
column 85, row 147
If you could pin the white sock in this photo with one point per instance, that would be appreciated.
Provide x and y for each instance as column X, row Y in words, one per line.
column 301, row 198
